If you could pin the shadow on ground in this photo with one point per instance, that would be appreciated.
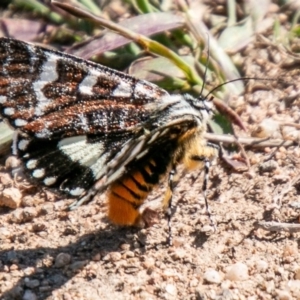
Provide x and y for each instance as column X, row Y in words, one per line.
column 81, row 252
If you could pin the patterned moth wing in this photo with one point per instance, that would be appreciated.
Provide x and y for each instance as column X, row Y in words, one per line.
column 72, row 115
column 82, row 127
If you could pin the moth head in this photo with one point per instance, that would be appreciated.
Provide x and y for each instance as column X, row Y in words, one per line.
column 201, row 103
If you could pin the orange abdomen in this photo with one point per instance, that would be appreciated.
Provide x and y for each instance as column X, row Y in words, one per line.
column 127, row 194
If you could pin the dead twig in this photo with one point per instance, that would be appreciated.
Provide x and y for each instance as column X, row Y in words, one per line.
column 248, row 141
column 277, row 227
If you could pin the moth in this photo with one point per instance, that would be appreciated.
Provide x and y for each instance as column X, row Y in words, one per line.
column 82, row 128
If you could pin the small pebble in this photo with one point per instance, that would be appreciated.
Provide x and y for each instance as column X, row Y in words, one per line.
column 212, row 276
column 284, row 295
column 32, row 283
column 16, row 292
column 237, row 272
column 290, row 250
column 67, row 296
column 37, row 227
column 47, row 209
column 129, row 254
column 268, row 166
column 78, row 265
column 29, row 213
column 62, row 259
column 149, row 263
column 297, row 273
column 262, row 266
column 6, row 179
column 294, row 287
column 178, row 254
column 17, row 216
column 96, row 257
column 265, row 129
column 30, row 201
column 171, row 289
column 12, row 162
column 178, row 242
column 194, row 282
column 29, row 271
column 10, row 197
column 115, row 256
column 13, row 267
column 125, row 247
column 29, row 295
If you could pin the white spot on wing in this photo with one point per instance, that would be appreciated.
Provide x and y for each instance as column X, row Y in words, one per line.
column 31, row 164
column 49, row 180
column 38, row 173
column 22, row 145
column 140, row 88
column 76, row 192
column 44, row 133
column 64, row 143
column 48, row 74
column 122, row 90
column 87, row 84
column 14, row 143
column 20, row 122
column 9, row 111
column 3, row 99
column 145, row 89
column 84, row 122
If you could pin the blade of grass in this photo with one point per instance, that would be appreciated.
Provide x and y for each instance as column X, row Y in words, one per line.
column 231, row 8
column 40, row 9
column 91, row 6
column 145, row 42
column 149, row 24
column 143, row 6
column 201, row 32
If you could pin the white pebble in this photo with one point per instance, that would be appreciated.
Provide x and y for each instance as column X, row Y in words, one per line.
column 212, row 276
column 294, row 287
column 262, row 266
column 171, row 289
column 237, row 272
column 284, row 295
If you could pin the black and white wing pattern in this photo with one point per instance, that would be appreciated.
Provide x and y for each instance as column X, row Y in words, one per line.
column 79, row 122
column 72, row 116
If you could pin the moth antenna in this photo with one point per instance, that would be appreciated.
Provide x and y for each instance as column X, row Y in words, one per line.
column 206, row 66
column 238, row 79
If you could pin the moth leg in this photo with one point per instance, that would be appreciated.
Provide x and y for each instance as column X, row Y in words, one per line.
column 168, row 204
column 83, row 200
column 211, row 148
